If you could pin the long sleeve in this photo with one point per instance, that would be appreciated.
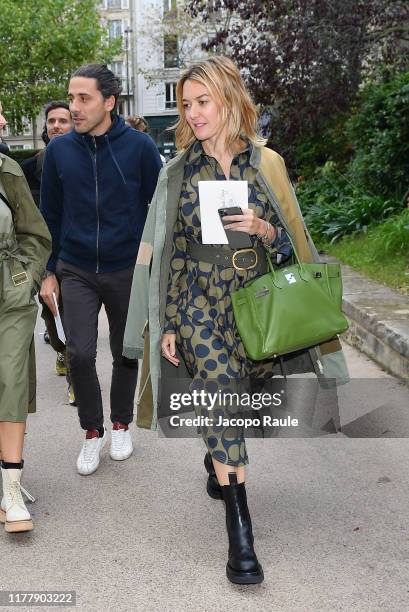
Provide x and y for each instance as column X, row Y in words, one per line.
column 32, row 235
column 275, row 178
column 280, row 249
column 281, row 244
column 138, row 311
column 176, row 272
column 51, row 204
column 151, row 166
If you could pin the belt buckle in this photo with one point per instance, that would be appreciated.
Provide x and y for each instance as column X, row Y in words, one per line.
column 233, row 259
column 19, row 279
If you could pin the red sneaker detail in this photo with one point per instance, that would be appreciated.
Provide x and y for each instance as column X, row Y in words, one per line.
column 92, row 433
column 117, row 425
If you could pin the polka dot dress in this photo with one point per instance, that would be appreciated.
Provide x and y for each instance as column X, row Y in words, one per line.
column 199, row 307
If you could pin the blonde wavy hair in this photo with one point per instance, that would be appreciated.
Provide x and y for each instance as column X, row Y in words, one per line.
column 225, row 85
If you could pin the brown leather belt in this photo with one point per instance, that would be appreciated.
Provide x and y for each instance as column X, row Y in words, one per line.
column 240, row 259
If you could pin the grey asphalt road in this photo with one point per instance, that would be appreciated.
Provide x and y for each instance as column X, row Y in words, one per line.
column 330, row 513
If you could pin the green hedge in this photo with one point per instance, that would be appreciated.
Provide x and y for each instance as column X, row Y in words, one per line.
column 331, row 144
column 20, row 154
column 340, row 199
column 379, row 134
column 334, row 206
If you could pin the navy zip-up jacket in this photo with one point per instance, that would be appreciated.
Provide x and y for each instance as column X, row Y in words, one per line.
column 95, row 192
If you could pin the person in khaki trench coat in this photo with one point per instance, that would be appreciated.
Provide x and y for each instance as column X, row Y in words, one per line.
column 25, row 246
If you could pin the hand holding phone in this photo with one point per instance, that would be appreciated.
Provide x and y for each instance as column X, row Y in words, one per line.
column 237, row 240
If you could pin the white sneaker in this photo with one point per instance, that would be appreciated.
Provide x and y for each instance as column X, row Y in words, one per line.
column 13, row 511
column 121, row 442
column 88, row 459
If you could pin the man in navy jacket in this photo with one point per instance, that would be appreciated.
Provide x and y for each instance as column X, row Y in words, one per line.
column 96, row 185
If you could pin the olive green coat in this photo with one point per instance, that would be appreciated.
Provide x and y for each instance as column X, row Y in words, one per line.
column 33, row 242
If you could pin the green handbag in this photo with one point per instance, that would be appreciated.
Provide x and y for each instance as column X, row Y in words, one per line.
column 289, row 309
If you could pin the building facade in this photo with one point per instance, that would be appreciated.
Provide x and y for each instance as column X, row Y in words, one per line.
column 164, row 41
column 116, row 16
column 157, row 41
column 24, row 140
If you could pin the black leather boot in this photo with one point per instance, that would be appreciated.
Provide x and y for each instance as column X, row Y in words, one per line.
column 242, row 566
column 213, row 488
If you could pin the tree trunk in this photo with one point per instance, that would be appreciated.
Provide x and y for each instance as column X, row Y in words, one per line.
column 34, row 130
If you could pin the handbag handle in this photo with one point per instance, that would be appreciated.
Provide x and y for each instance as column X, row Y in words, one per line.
column 302, row 271
column 276, row 283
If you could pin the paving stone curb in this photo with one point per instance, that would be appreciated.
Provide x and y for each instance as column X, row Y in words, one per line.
column 379, row 321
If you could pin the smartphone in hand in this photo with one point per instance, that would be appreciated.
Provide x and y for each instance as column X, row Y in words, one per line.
column 237, row 240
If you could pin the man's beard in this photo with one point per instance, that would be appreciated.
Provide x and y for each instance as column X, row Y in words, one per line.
column 85, row 127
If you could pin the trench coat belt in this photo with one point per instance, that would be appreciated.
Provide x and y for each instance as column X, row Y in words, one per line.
column 15, row 262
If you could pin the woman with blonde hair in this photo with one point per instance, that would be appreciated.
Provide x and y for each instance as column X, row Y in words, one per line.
column 182, row 288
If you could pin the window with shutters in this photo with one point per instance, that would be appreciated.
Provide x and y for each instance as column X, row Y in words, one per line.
column 171, row 51
column 169, row 8
column 115, row 28
column 170, row 95
column 118, row 69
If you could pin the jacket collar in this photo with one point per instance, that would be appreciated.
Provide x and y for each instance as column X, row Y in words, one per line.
column 117, row 128
column 9, row 166
column 194, row 152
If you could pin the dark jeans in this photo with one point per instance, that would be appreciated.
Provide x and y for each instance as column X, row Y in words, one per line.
column 83, row 295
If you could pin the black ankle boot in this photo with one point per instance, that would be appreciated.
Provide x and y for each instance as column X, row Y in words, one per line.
column 213, row 488
column 242, row 566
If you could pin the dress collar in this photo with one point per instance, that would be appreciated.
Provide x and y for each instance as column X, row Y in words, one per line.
column 197, row 151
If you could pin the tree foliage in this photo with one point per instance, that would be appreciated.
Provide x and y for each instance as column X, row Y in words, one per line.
column 379, row 134
column 374, row 184
column 304, row 60
column 42, row 42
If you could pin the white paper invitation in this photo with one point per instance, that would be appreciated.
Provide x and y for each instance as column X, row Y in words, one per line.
column 219, row 194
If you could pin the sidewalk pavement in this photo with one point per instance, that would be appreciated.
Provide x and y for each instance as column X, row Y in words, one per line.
column 329, row 514
column 379, row 321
